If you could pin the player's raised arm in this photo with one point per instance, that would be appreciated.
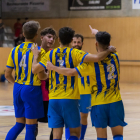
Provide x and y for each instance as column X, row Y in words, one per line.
column 100, row 56
column 36, row 67
column 61, row 70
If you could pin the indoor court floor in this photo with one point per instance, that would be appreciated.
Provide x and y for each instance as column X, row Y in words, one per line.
column 131, row 99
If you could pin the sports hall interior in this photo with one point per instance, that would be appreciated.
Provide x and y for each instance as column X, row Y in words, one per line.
column 124, row 27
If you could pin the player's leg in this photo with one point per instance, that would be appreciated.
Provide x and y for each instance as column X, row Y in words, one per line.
column 75, row 133
column 71, row 116
column 99, row 118
column 85, row 103
column 116, row 120
column 30, row 129
column 57, row 133
column 84, row 117
column 55, row 118
column 101, row 133
column 32, row 97
column 117, row 132
column 19, row 114
column 16, row 129
column 45, row 118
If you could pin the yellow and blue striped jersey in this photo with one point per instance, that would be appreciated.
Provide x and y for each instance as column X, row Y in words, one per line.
column 60, row 86
column 104, row 78
column 84, row 85
column 20, row 59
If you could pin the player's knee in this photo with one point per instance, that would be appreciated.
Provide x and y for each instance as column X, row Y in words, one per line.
column 101, row 132
column 31, row 121
column 84, row 118
column 118, row 130
column 75, row 132
column 84, row 115
column 20, row 120
column 57, row 133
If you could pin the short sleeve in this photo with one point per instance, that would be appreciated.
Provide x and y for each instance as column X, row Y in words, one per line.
column 85, row 69
column 79, row 55
column 42, row 52
column 44, row 60
column 10, row 63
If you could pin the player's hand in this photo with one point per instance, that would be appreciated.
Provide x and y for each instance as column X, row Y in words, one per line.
column 35, row 50
column 93, row 31
column 50, row 66
column 112, row 49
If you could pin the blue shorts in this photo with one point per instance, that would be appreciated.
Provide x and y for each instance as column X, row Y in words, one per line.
column 108, row 115
column 28, row 101
column 63, row 112
column 85, row 103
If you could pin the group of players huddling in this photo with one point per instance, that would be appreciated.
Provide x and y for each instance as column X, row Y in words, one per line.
column 79, row 82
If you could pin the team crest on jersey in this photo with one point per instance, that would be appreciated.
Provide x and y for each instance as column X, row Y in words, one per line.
column 61, row 54
column 22, row 49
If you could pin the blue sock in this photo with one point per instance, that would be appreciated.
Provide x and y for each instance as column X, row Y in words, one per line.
column 83, row 131
column 118, row 137
column 30, row 131
column 15, row 131
column 67, row 133
column 101, row 138
column 73, row 138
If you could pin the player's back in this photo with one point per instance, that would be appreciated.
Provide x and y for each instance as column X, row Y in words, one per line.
column 20, row 59
column 60, row 86
column 106, row 88
column 104, row 79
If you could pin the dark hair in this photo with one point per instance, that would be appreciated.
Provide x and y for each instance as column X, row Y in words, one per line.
column 103, row 38
column 65, row 35
column 26, row 18
column 79, row 35
column 48, row 30
column 30, row 29
column 18, row 19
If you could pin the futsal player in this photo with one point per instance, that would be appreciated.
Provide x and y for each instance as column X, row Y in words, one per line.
column 27, row 95
column 107, row 106
column 84, row 90
column 48, row 36
column 63, row 90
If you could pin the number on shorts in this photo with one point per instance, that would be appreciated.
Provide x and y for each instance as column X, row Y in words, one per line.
column 111, row 70
column 22, row 62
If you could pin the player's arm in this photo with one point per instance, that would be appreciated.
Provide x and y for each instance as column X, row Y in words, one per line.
column 8, row 75
column 9, row 68
column 36, row 67
column 83, row 69
column 43, row 75
column 61, row 70
column 100, row 56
